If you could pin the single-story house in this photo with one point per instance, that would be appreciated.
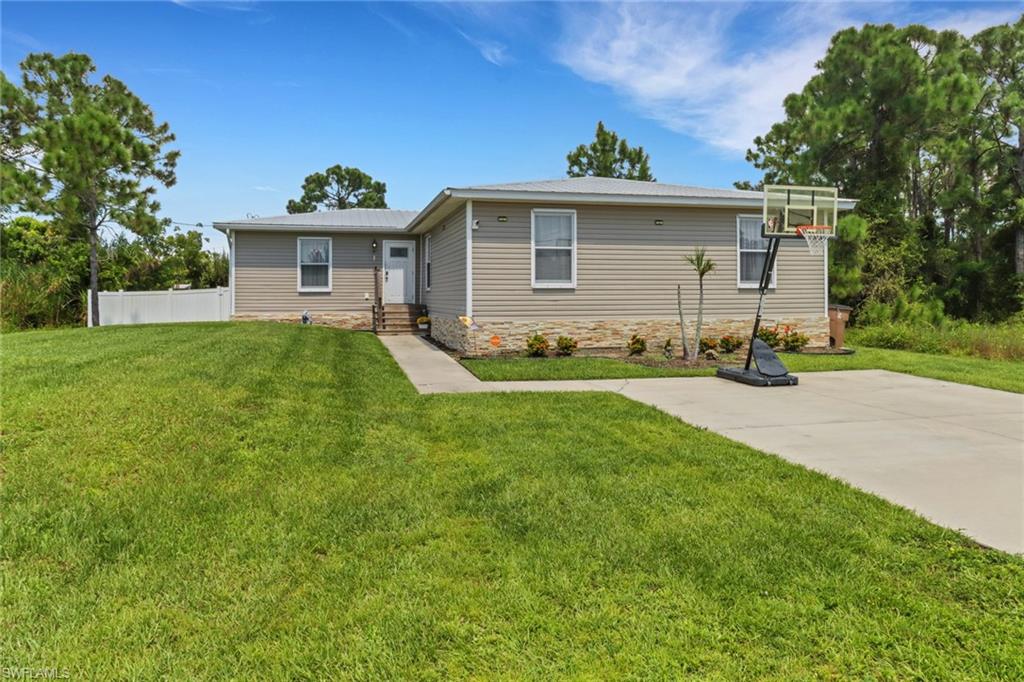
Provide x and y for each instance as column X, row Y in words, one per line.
column 597, row 259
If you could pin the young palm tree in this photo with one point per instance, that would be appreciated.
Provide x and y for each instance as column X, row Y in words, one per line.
column 703, row 265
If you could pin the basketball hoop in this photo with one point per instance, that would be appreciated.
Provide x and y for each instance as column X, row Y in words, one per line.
column 816, row 236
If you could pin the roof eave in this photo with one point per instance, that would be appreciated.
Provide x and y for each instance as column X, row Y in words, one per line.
column 636, row 199
column 429, row 209
column 269, row 227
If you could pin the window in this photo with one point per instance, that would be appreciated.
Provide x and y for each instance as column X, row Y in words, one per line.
column 751, row 246
column 426, row 260
column 399, row 252
column 314, row 264
column 554, row 248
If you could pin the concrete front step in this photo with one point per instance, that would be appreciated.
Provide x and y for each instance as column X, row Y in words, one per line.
column 401, row 328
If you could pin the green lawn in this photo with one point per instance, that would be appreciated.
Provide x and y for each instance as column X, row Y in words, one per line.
column 1006, row 375
column 242, row 500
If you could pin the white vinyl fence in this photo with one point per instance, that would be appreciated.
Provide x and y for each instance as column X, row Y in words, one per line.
column 145, row 307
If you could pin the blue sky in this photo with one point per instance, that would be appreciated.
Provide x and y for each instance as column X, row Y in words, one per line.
column 428, row 95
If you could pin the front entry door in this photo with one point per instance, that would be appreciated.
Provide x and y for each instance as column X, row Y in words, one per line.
column 399, row 271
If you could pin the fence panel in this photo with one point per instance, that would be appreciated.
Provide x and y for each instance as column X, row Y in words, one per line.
column 146, row 307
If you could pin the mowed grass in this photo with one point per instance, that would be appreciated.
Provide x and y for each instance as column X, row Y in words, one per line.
column 1005, row 375
column 242, row 500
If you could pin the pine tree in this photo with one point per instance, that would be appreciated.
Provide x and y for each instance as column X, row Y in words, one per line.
column 336, row 188
column 83, row 152
column 609, row 157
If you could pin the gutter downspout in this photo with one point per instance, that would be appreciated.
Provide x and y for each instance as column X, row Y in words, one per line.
column 469, row 258
column 231, row 268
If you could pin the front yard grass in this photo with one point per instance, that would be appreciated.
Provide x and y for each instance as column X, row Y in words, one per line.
column 267, row 500
column 1006, row 375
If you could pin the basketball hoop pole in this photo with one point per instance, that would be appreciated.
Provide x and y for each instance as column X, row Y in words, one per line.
column 762, row 289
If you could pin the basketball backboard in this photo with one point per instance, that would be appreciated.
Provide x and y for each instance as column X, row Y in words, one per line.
column 790, row 207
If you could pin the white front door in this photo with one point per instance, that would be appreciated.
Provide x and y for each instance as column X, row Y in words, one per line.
column 399, row 271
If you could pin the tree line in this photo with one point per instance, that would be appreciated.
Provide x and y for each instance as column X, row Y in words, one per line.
column 44, row 274
column 922, row 127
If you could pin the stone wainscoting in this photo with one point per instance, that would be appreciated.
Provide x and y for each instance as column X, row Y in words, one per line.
column 360, row 320
column 450, row 332
column 511, row 335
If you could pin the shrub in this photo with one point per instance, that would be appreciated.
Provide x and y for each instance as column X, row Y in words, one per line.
column 793, row 340
column 667, row 349
column 537, row 346
column 566, row 345
column 637, row 345
column 993, row 341
column 730, row 343
column 707, row 344
column 37, row 295
column 769, row 335
column 916, row 305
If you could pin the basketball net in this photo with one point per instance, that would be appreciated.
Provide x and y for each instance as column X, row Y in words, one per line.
column 816, row 236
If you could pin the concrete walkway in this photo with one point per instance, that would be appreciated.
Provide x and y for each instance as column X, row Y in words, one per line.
column 951, row 452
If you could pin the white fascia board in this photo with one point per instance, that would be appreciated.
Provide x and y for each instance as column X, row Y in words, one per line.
column 434, row 204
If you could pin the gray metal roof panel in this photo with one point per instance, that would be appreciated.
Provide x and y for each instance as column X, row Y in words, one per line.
column 346, row 219
column 616, row 186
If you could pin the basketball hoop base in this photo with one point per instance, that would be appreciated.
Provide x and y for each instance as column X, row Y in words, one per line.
column 769, row 369
column 752, row 377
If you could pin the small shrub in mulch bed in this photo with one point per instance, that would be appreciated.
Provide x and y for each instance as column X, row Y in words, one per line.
column 537, row 346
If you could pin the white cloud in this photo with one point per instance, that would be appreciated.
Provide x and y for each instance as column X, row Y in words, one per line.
column 705, row 71
column 491, row 50
column 264, row 188
column 24, row 39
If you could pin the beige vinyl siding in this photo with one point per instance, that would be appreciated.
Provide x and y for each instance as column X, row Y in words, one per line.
column 447, row 295
column 266, row 273
column 628, row 267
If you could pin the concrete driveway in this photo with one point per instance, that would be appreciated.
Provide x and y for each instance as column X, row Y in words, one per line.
column 951, row 452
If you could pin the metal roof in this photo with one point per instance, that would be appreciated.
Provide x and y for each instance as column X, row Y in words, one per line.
column 370, row 219
column 619, row 187
column 579, row 190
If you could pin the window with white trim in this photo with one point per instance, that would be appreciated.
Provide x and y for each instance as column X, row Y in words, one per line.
column 553, row 240
column 314, row 263
column 426, row 262
column 750, row 252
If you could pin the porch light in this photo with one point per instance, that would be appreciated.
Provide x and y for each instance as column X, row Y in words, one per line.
column 373, row 245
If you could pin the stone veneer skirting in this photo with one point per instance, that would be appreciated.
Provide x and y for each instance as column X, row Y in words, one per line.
column 599, row 334
column 360, row 321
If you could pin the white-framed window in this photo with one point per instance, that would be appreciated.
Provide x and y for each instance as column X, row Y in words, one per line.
column 314, row 256
column 553, row 248
column 426, row 262
column 750, row 252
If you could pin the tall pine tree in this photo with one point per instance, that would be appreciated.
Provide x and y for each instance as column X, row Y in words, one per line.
column 82, row 151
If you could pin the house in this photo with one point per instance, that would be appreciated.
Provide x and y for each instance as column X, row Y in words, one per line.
column 593, row 258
